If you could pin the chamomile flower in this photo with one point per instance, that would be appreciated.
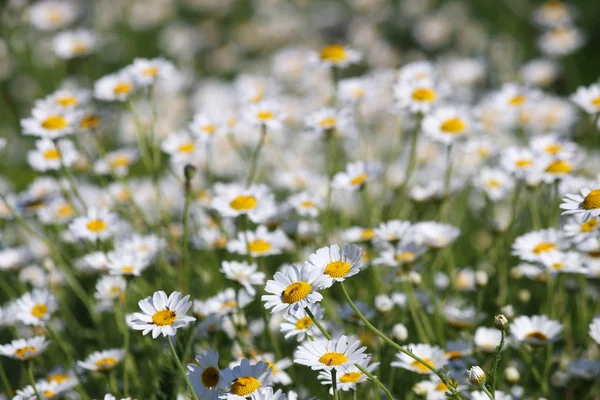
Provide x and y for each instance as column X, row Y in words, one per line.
column 243, row 273
column 556, row 169
column 247, row 379
column 435, row 234
column 403, row 253
column 49, row 155
column 417, row 71
column 104, row 360
column 329, row 121
column 494, row 182
column 49, row 15
column 532, row 245
column 116, row 162
column 584, row 205
column 300, row 325
column 552, row 13
column 47, row 390
column 581, row 231
column 594, row 330
column 338, row 265
column 519, row 161
column 336, row 55
column 561, row 41
column 126, row 262
column 147, row 72
column 72, row 44
column 306, row 204
column 182, row 148
column 447, row 125
column 353, row 90
column 265, row 114
column 588, row 98
column 268, row 393
column 97, row 224
column 487, row 339
column 234, row 200
column 356, row 175
column 432, row 355
column 66, row 98
column 260, row 243
column 207, row 127
column 392, row 231
column 24, row 349
column 295, row 287
column 323, row 354
column 417, row 97
column 563, row 262
column 348, row 378
column 36, row 307
column 206, row 377
column 277, row 368
column 115, row 87
column 50, row 122
column 110, row 288
column 539, row 72
column 535, row 330
column 162, row 314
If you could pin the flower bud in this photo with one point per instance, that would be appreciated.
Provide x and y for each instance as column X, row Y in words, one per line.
column 189, row 171
column 399, row 332
column 501, row 322
column 508, row 311
column 476, row 376
column 415, row 278
column 420, row 389
column 383, row 303
column 512, row 375
column 481, row 279
column 524, row 296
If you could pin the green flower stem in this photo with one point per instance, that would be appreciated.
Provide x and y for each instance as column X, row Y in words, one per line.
column 494, row 371
column 334, row 384
column 187, row 272
column 32, row 379
column 7, row 388
column 401, row 349
column 181, row 369
column 487, row 392
column 123, row 326
column 254, row 159
column 327, row 223
column 146, row 158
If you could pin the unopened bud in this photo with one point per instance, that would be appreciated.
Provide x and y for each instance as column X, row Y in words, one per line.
column 189, row 171
column 481, row 279
column 399, row 332
column 415, row 278
column 501, row 322
column 383, row 303
column 508, row 311
column 420, row 389
column 512, row 375
column 476, row 376
column 524, row 296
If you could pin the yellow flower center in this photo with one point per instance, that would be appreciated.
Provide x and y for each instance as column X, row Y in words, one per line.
column 334, row 53
column 119, row 161
column 596, row 101
column 150, row 71
column 210, row 377
column 524, row 163
column 303, row 323
column 228, row 304
column 441, row 387
column 517, row 100
column 127, row 269
column 48, row 393
column 52, row 154
column 122, row 88
column 367, row 234
column 65, row 210
column 90, row 121
column 96, row 225
column 405, row 257
column 295, row 292
column 244, row 386
column 553, row 148
column 453, row 126
column 66, row 101
column 454, row 355
column 39, row 310
column 421, row 367
column 259, row 246
column 536, row 335
column 164, row 317
column 79, row 47
column 186, row 148
column 589, row 225
column 210, row 129
column 327, row 122
column 307, row 204
column 424, row 94
column 58, row 378
column 25, row 352
column 337, row 269
column 544, row 247
column 265, row 115
column 559, row 167
column 592, row 200
column 333, row 358
column 350, row 377
column 359, row 179
column 55, row 122
column 106, row 363
column 558, row 265
column 243, row 203
column 115, row 292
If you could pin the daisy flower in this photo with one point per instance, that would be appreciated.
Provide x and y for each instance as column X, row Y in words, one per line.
column 295, row 287
column 147, row 72
column 338, row 265
column 561, row 41
column 403, row 253
column 435, row 234
column 553, row 146
column 353, row 90
column 114, row 87
column 306, row 204
column 50, row 156
column 116, row 162
column 49, row 15
column 268, row 393
column 206, row 127
column 336, row 55
column 103, row 360
column 584, row 205
column 265, row 114
column 207, row 379
column 519, row 161
column 535, row 330
column 182, row 148
column 432, row 355
column 50, row 122
column 556, row 169
column 552, row 13
column 110, row 288
column 162, row 315
column 24, row 349
column 498, row 395
column 36, row 307
column 532, row 245
column 417, row 71
column 72, row 44
column 539, row 72
column 348, row 378
column 243, row 273
column 234, row 200
column 494, row 182
column 329, row 121
column 322, row 354
column 98, row 224
column 47, row 390
column 447, row 125
column 66, row 98
column 247, row 379
column 278, row 374
column 392, row 231
column 356, row 175
column 594, row 330
column 417, row 97
column 588, row 98
column 300, row 325
column 487, row 339
column 581, row 231
column 260, row 242
column 563, row 262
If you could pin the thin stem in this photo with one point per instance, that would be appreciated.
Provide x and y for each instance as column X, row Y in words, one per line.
column 332, row 157
column 495, row 360
column 7, row 388
column 186, row 233
column 317, row 323
column 181, row 369
column 487, row 392
column 32, row 379
column 254, row 159
column 334, row 384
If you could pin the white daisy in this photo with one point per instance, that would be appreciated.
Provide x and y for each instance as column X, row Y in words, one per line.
column 584, row 205
column 50, row 122
column 418, row 96
column 329, row 121
column 72, row 44
column 260, row 243
column 300, row 325
column 356, row 175
column 563, row 262
column 535, row 330
column 206, row 377
column 233, row 200
column 487, row 339
column 588, row 98
column 494, row 182
column 348, row 378
column 110, row 288
column 581, row 231
column 432, row 355
column 532, row 245
column 182, row 148
column 306, row 204
column 594, row 330
column 322, row 354
column 392, row 231
column 435, row 234
column 126, row 262
column 162, row 315
column 243, row 273
column 114, row 87
column 335, row 55
column 103, row 360
column 338, row 265
column 247, row 379
column 49, row 15
column 49, row 156
column 24, row 349
column 561, row 41
column 447, row 125
column 268, row 393
column 97, row 224
column 36, row 307
column 147, row 72
column 206, row 127
column 116, row 162
column 265, row 114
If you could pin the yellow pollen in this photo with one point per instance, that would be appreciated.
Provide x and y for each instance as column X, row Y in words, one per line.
column 55, row 122
column 406, row 257
column 220, row 243
column 39, row 310
column 210, row 377
column 186, row 148
column 122, row 88
column 244, row 386
column 26, row 352
column 228, row 304
column 517, row 100
column 243, row 203
column 272, row 367
column 536, row 335
column 337, row 269
column 558, row 265
column 544, row 247
column 421, row 367
column 334, row 53
column 106, row 363
column 424, row 94
column 589, row 225
column 264, row 115
column 592, row 200
column 596, row 101
column 307, row 204
column 553, row 148
column 559, row 167
column 119, row 161
column 304, row 323
column 96, row 225
column 90, row 121
column 327, row 122
column 296, row 292
column 350, row 377
column 454, row 355
column 65, row 210
column 58, row 378
column 453, row 126
column 523, row 163
column 164, row 317
column 333, row 358
column 210, row 129
column 494, row 183
column 79, row 47
column 367, row 234
column 48, row 393
column 359, row 179
column 66, row 101
column 259, row 246
column 127, row 269
column 441, row 387
column 150, row 71
column 115, row 291
column 52, row 154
